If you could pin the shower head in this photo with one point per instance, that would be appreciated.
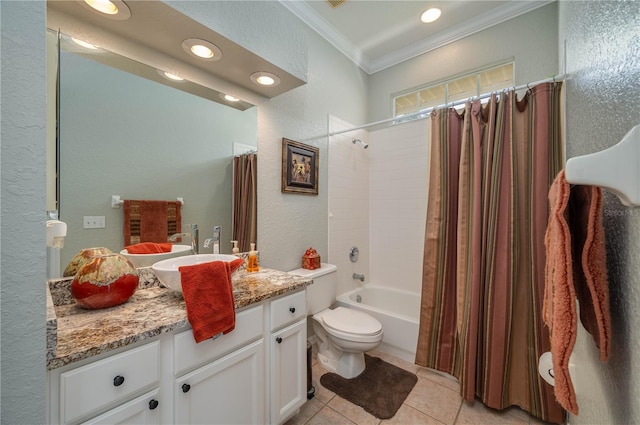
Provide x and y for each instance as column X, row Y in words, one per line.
column 364, row 145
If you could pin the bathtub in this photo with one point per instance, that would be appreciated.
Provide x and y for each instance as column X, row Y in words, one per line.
column 397, row 310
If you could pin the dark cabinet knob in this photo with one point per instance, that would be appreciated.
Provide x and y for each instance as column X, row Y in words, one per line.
column 153, row 404
column 278, row 340
column 292, row 310
column 186, row 388
column 118, row 380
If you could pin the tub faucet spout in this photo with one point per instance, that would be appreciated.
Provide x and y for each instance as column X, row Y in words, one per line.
column 360, row 277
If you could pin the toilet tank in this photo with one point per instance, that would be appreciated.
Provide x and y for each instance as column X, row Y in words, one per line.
column 322, row 292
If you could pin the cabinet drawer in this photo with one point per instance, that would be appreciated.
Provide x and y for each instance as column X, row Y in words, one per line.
column 288, row 309
column 141, row 410
column 91, row 387
column 188, row 353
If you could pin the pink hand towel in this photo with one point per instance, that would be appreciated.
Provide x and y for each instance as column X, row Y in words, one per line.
column 590, row 266
column 559, row 308
column 574, row 231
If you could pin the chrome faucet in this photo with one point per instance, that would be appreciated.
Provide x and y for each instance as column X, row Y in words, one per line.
column 215, row 240
column 193, row 235
column 360, row 277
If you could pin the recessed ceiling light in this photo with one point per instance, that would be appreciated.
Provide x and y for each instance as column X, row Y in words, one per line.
column 229, row 97
column 84, row 44
column 114, row 9
column 430, row 15
column 202, row 49
column 264, row 78
column 170, row 76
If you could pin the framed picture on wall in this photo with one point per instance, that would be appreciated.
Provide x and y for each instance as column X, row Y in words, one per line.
column 299, row 168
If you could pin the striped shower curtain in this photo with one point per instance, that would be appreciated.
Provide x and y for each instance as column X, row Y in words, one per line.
column 245, row 200
column 483, row 273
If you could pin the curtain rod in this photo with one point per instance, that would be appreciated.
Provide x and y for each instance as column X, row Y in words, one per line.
column 425, row 112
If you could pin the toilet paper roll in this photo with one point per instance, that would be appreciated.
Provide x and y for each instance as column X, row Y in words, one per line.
column 545, row 368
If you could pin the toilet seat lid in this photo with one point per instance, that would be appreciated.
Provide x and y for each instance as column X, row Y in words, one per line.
column 351, row 321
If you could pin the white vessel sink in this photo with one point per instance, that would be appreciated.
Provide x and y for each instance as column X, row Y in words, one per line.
column 167, row 270
column 146, row 260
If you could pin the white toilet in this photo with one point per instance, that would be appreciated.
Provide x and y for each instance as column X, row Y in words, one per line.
column 343, row 334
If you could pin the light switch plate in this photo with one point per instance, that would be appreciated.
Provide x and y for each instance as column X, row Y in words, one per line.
column 93, row 222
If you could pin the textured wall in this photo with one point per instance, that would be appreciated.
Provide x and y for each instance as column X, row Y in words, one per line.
column 529, row 39
column 603, row 66
column 22, row 251
column 288, row 224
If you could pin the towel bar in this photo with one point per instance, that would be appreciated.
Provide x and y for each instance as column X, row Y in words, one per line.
column 116, row 202
column 616, row 169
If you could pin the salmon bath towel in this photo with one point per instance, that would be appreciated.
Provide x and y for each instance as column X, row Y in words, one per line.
column 575, row 268
column 208, row 295
column 149, row 248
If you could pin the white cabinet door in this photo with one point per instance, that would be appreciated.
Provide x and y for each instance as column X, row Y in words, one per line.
column 288, row 371
column 143, row 410
column 230, row 390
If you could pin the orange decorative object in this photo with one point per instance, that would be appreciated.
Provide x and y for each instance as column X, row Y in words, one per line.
column 104, row 281
column 311, row 260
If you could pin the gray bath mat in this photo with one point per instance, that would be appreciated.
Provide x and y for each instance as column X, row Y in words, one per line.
column 380, row 389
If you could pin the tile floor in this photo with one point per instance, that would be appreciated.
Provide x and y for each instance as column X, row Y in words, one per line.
column 435, row 400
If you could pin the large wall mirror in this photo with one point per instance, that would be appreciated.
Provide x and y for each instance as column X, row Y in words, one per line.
column 121, row 134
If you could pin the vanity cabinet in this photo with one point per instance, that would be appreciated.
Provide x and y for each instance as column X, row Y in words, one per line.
column 288, row 344
column 255, row 374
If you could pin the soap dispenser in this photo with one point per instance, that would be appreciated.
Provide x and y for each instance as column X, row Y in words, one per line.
column 56, row 232
column 235, row 248
column 252, row 264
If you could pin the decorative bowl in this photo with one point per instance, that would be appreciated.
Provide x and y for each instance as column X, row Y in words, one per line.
column 104, row 281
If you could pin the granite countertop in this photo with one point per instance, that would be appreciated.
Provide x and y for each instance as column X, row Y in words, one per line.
column 75, row 333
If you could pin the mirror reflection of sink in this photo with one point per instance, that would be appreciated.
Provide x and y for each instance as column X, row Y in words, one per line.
column 167, row 270
column 146, row 260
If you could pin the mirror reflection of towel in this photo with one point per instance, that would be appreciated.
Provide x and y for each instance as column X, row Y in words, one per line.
column 150, row 221
column 149, row 248
column 208, row 295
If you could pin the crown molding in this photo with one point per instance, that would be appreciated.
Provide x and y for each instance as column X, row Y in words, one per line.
column 481, row 22
column 312, row 19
